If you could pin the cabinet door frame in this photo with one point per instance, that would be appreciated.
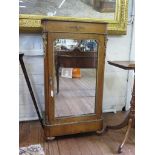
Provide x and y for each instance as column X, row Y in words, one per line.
column 49, row 81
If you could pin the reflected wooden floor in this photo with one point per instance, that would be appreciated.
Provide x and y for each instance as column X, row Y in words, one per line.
column 80, row 144
column 76, row 95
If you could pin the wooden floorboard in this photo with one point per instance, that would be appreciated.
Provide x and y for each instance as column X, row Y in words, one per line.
column 80, row 144
column 76, row 95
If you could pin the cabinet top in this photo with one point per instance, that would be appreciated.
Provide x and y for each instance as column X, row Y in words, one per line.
column 73, row 26
column 72, row 19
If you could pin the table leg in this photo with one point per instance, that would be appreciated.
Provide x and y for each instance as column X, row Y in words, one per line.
column 57, row 77
column 131, row 114
column 129, row 120
column 114, row 127
column 119, row 126
column 126, row 135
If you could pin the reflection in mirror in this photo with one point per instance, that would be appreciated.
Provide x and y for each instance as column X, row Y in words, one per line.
column 104, row 9
column 104, row 5
column 75, row 76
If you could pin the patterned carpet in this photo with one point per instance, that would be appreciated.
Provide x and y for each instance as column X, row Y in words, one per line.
column 31, row 150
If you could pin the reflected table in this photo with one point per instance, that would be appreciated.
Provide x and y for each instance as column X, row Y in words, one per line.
column 74, row 59
column 130, row 119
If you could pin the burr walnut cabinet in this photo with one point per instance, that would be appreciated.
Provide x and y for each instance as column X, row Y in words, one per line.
column 73, row 105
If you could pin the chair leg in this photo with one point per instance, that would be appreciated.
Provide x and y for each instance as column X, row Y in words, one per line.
column 126, row 135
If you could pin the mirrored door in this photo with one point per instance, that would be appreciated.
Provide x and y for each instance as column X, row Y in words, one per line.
column 75, row 70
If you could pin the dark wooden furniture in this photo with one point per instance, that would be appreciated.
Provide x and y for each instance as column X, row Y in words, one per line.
column 130, row 119
column 74, row 59
column 104, row 6
column 52, row 30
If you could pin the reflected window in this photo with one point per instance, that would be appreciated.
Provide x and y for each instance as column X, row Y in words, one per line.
column 82, row 45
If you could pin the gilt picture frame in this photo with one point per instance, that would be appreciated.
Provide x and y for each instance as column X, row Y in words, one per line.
column 116, row 26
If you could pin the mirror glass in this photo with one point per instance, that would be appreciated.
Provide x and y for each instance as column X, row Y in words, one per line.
column 104, row 9
column 75, row 76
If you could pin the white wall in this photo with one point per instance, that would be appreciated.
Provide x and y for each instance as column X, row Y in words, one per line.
column 31, row 45
column 118, row 83
column 115, row 83
column 117, row 89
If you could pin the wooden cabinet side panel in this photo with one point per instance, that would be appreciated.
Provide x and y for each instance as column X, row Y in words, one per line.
column 100, row 75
